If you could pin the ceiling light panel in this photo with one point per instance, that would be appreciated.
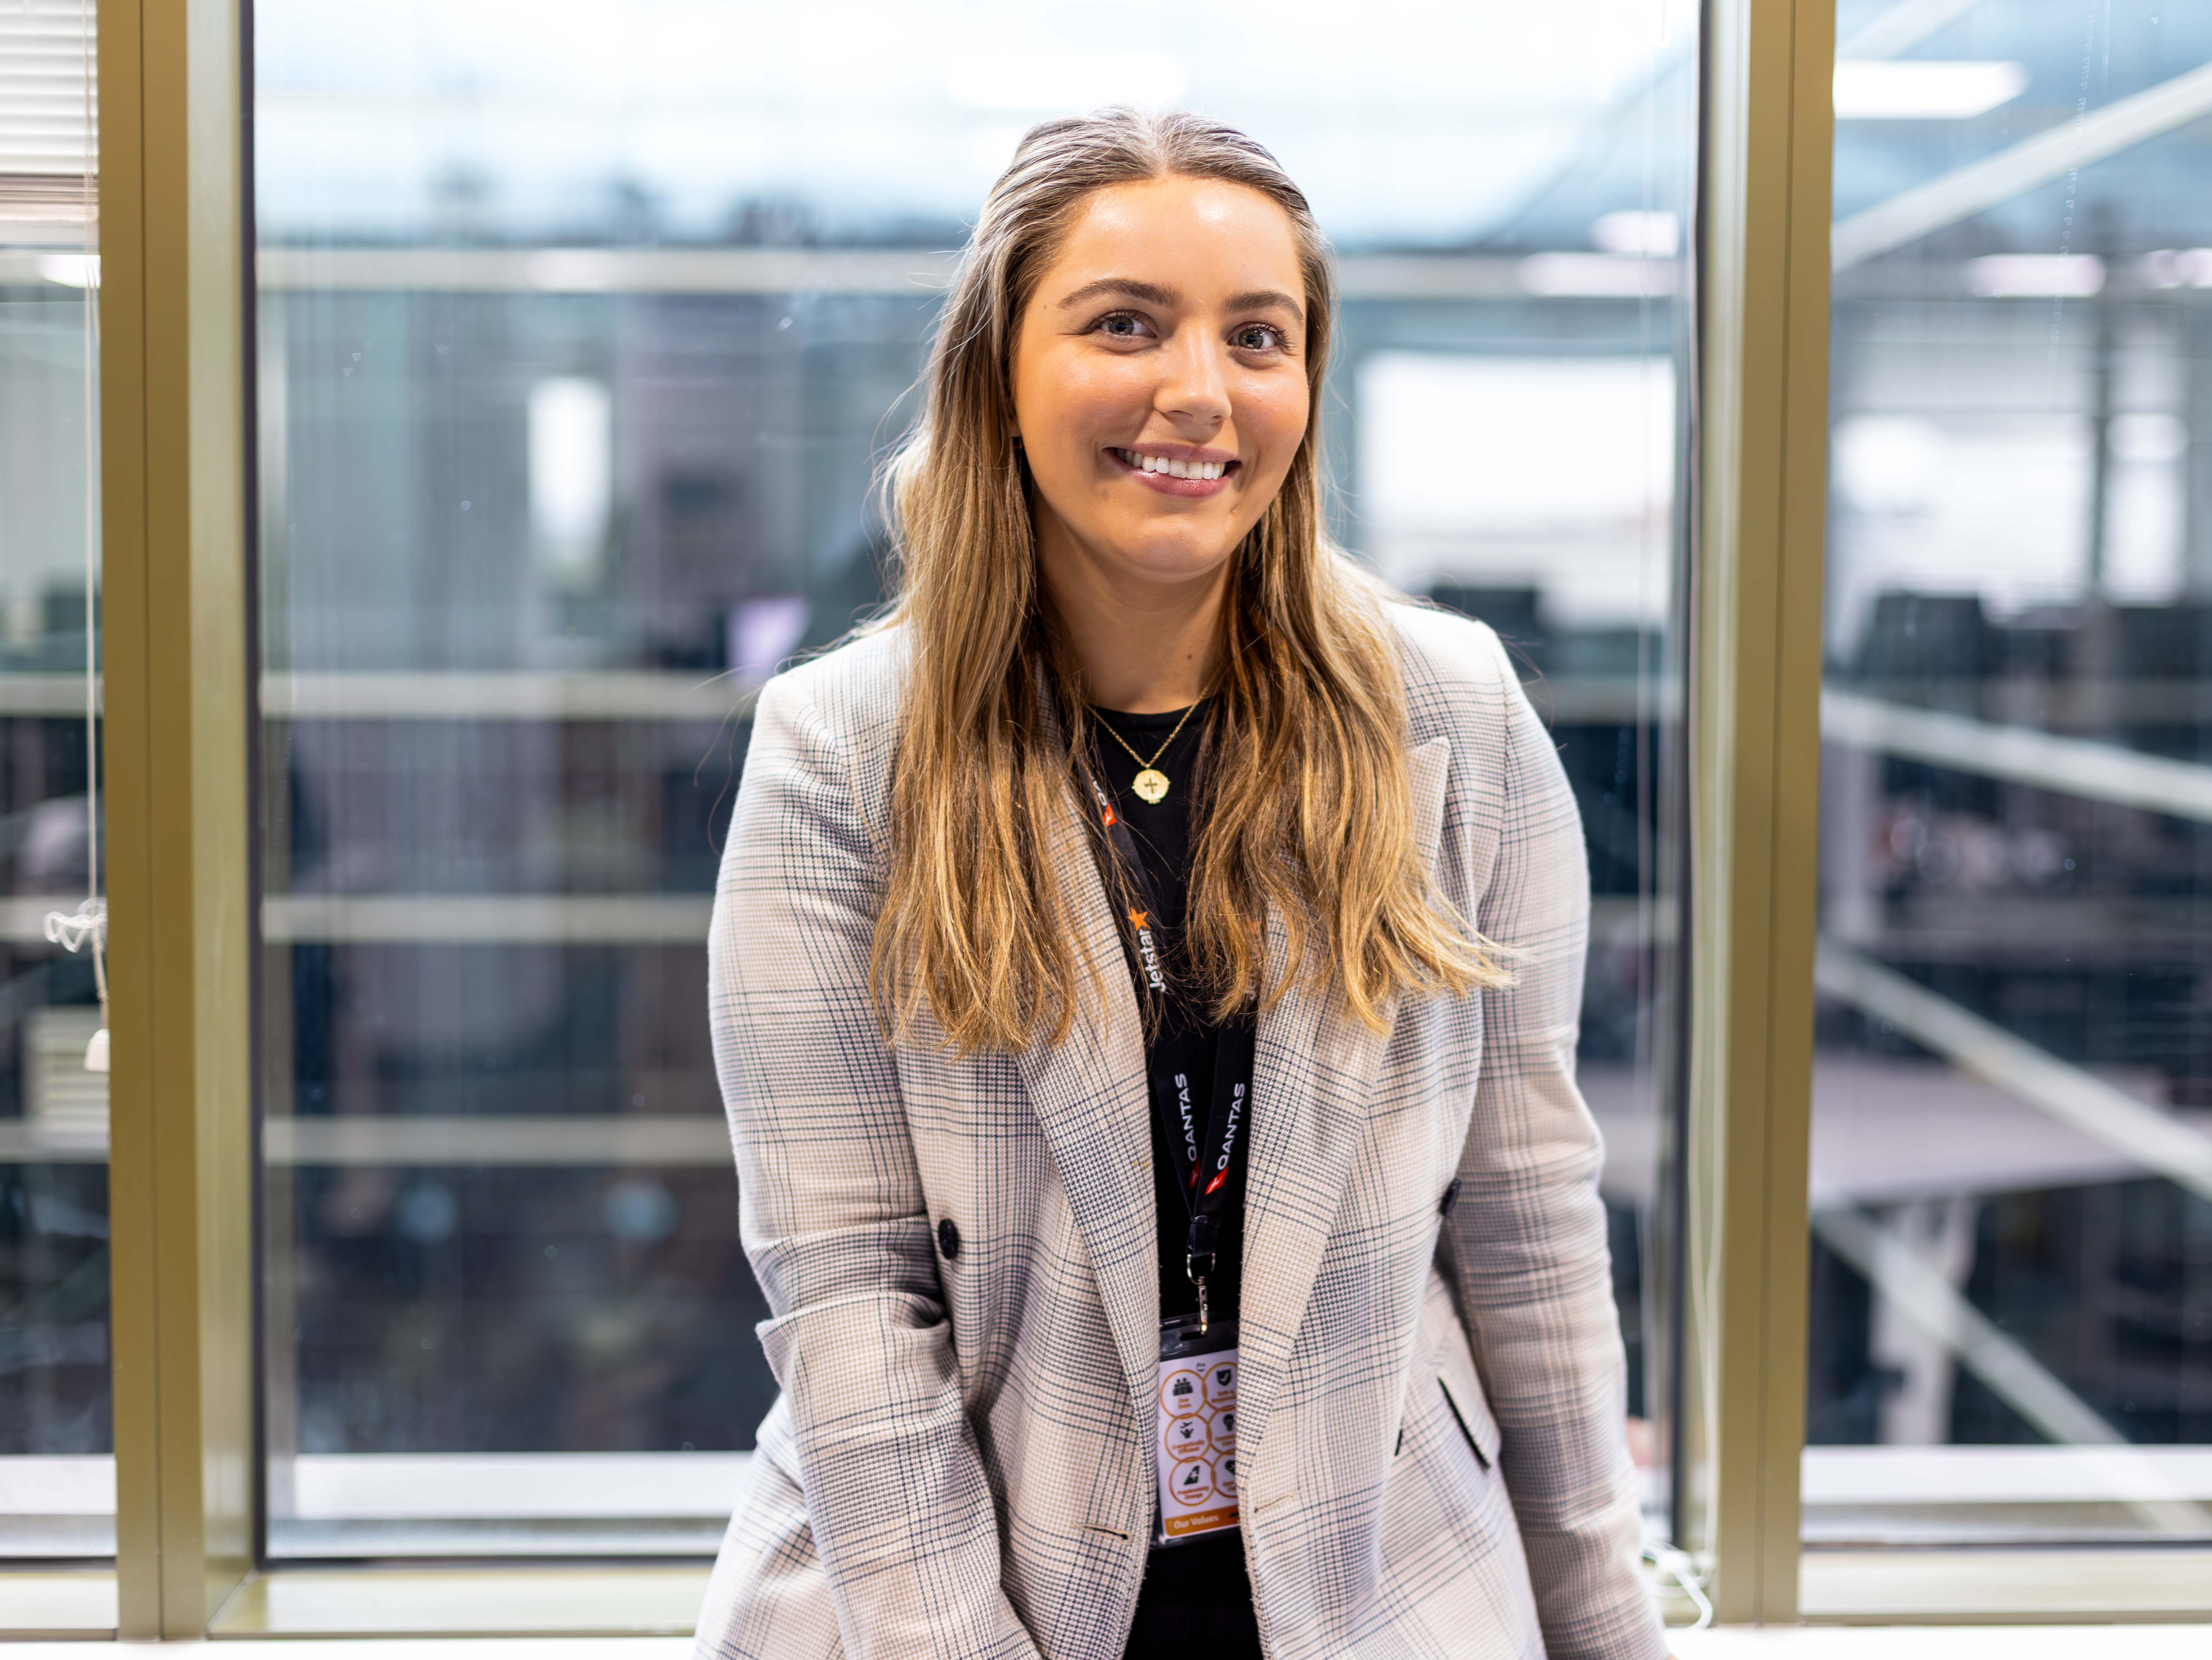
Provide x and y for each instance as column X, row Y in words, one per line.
column 1915, row 90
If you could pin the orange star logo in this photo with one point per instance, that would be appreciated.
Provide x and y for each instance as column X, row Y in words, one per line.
column 1137, row 918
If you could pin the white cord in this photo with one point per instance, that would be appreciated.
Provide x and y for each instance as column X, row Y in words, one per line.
column 1678, row 1565
column 71, row 930
column 92, row 902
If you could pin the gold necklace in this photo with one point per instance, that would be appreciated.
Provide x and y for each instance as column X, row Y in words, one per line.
column 1151, row 783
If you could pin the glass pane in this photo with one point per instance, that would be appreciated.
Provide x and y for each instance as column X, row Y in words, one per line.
column 2011, row 1137
column 56, row 1440
column 581, row 330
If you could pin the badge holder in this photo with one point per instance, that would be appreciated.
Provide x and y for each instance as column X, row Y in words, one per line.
column 1196, row 1449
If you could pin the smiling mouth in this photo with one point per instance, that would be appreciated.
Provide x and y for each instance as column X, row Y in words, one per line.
column 1174, row 466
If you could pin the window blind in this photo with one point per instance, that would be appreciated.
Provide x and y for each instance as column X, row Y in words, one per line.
column 49, row 121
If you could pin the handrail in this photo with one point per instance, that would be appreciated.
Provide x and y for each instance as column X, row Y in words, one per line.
column 1932, row 1303
column 2020, row 755
column 2004, row 1365
column 2077, row 1098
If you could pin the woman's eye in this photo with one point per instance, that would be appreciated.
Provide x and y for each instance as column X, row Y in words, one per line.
column 1123, row 325
column 1258, row 336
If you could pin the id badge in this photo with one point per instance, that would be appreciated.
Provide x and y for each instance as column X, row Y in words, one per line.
column 1197, row 1449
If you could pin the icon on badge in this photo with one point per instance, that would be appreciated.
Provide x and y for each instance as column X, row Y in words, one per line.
column 1221, row 1386
column 1224, row 1439
column 1187, row 1433
column 1224, row 1479
column 1192, row 1483
column 1181, row 1393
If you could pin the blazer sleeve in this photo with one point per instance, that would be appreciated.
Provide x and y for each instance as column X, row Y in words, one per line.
column 1527, row 1234
column 833, row 1217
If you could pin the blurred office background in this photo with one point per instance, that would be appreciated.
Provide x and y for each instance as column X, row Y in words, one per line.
column 580, row 332
column 2012, row 1178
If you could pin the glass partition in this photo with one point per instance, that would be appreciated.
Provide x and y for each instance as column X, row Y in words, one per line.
column 581, row 332
column 2011, row 1138
column 57, row 1445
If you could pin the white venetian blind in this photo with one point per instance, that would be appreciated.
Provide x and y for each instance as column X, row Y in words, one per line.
column 49, row 120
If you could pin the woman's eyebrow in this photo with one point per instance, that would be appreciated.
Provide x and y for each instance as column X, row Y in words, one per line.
column 1152, row 293
column 1263, row 299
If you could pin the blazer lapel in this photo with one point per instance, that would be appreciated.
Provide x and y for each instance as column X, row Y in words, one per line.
column 1089, row 1096
column 1313, row 1082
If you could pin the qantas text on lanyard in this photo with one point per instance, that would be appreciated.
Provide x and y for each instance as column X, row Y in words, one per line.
column 1196, row 1448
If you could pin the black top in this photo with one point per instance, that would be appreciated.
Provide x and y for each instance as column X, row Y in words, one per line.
column 1195, row 1597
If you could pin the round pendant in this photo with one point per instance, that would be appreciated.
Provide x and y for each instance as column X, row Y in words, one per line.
column 1151, row 785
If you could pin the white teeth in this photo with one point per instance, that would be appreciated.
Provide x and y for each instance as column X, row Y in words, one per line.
column 1172, row 468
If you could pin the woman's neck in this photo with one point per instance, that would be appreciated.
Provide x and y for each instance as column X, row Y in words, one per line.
column 1143, row 646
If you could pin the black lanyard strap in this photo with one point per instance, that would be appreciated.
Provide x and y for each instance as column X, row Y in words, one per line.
column 1205, row 1158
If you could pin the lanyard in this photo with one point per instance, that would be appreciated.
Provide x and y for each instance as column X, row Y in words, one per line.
column 1205, row 1158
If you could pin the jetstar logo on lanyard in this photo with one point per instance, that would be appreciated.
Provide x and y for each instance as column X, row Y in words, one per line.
column 1141, row 921
column 1148, row 950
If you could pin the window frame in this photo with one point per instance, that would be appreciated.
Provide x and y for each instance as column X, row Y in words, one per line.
column 1759, row 438
column 176, row 493
column 174, row 565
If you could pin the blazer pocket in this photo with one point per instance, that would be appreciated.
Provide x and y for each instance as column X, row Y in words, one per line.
column 1452, row 1360
column 1474, row 1445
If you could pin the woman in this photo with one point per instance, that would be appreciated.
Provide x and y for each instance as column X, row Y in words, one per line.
column 1179, row 1219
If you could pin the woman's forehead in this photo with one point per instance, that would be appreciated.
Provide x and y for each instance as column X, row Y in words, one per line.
column 1199, row 239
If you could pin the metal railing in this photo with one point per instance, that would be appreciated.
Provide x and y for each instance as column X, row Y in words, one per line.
column 2019, row 755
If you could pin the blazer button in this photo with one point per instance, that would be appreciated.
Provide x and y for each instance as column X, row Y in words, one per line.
column 948, row 1239
column 1450, row 1198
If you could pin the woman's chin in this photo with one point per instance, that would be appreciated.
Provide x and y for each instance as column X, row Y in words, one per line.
column 1173, row 565
column 1170, row 548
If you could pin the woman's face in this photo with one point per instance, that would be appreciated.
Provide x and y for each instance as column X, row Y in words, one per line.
column 1159, row 378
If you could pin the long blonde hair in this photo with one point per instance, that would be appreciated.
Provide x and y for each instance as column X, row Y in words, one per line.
column 1307, row 808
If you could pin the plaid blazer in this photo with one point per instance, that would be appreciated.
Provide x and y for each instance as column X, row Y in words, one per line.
column 1431, row 1457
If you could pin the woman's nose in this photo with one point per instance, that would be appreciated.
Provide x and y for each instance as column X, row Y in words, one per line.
column 1193, row 388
